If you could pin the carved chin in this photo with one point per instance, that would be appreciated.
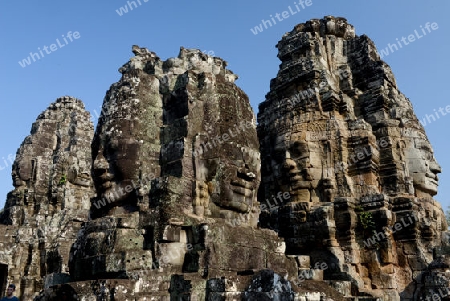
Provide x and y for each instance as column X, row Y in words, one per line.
column 300, row 195
column 238, row 198
column 81, row 179
column 18, row 182
column 427, row 185
column 116, row 193
column 430, row 186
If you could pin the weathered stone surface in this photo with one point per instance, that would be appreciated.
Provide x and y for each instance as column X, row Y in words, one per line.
column 176, row 169
column 169, row 190
column 164, row 153
column 52, row 179
column 343, row 141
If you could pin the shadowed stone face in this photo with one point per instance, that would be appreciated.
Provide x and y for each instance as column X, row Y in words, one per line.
column 21, row 172
column 291, row 166
column 53, row 185
column 116, row 166
column 57, row 151
column 126, row 144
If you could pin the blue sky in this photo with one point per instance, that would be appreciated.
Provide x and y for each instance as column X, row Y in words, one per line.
column 87, row 66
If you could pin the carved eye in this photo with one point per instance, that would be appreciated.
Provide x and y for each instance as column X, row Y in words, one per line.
column 429, row 155
column 111, row 147
column 299, row 150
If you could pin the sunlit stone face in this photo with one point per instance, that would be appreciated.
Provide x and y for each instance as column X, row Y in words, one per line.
column 239, row 179
column 232, row 180
column 422, row 167
column 291, row 166
column 363, row 154
column 228, row 165
column 79, row 173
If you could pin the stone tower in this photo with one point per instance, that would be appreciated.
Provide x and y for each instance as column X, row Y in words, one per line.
column 338, row 135
column 53, row 185
column 176, row 170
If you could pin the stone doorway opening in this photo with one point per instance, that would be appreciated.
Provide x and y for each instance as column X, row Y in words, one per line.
column 3, row 278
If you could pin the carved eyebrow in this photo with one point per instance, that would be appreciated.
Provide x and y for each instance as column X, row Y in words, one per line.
column 426, row 147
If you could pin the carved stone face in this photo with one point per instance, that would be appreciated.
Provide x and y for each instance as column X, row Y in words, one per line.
column 77, row 169
column 126, row 143
column 231, row 180
column 331, row 25
column 341, row 26
column 314, row 25
column 228, row 165
column 17, row 175
column 238, row 181
column 116, row 167
column 79, row 173
column 21, row 171
column 363, row 153
column 291, row 163
column 423, row 167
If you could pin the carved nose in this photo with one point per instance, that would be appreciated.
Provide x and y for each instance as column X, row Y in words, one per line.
column 435, row 168
column 245, row 173
column 289, row 164
column 100, row 163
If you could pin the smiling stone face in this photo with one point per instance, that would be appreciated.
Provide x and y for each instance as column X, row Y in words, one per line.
column 201, row 143
column 422, row 167
column 232, row 180
column 240, row 180
column 227, row 159
column 126, row 144
column 291, row 165
column 116, row 166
